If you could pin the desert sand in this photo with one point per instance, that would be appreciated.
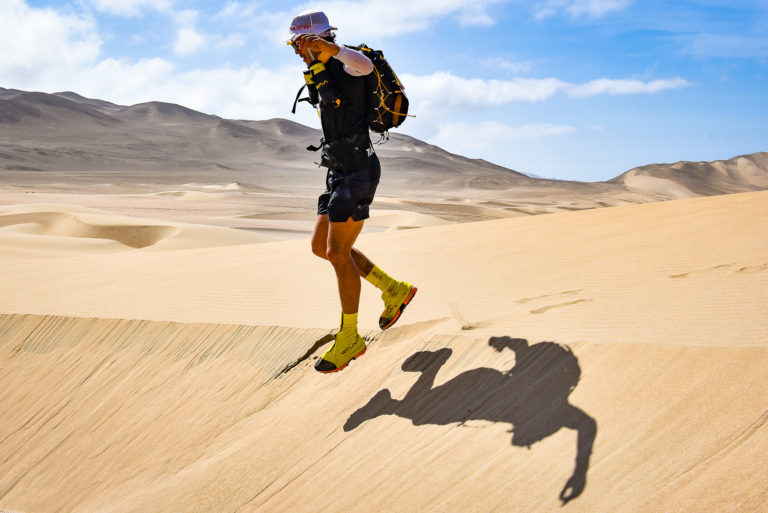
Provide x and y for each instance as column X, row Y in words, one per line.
column 178, row 377
column 157, row 340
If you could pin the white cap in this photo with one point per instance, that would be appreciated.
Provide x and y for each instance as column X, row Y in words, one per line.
column 310, row 22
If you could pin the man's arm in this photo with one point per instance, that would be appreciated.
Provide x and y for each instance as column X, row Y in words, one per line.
column 355, row 63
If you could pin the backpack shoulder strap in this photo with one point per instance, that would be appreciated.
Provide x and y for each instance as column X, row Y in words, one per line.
column 297, row 100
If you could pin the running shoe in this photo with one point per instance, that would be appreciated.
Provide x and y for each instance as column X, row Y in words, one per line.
column 395, row 302
column 346, row 347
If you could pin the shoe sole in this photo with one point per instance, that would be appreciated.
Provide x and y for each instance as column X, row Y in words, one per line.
column 358, row 355
column 406, row 301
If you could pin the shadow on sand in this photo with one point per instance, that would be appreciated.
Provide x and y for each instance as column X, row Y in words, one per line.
column 532, row 396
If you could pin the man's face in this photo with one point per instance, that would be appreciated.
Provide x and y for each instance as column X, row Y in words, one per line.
column 300, row 47
column 310, row 46
column 304, row 55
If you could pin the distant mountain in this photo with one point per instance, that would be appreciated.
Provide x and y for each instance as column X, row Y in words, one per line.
column 687, row 179
column 154, row 141
column 66, row 131
column 19, row 107
column 164, row 113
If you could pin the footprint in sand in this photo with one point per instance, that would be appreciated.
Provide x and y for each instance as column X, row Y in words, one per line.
column 559, row 305
column 754, row 269
column 547, row 308
column 725, row 267
column 546, row 296
column 711, row 269
column 467, row 324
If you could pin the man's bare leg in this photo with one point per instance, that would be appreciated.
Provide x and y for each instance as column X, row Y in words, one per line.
column 341, row 238
column 320, row 247
column 396, row 295
column 348, row 344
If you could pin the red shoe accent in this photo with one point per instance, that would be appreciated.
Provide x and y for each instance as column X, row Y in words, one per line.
column 406, row 301
column 343, row 366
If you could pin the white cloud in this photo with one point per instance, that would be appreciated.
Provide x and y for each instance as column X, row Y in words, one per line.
column 475, row 15
column 369, row 19
column 516, row 67
column 251, row 92
column 42, row 44
column 618, row 87
column 50, row 51
column 188, row 40
column 470, row 137
column 232, row 41
column 577, row 8
column 729, row 45
column 242, row 93
column 363, row 20
column 131, row 7
column 250, row 21
column 446, row 90
column 122, row 82
column 186, row 17
column 596, row 8
column 237, row 10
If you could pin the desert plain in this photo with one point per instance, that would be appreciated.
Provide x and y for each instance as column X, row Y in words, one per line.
column 575, row 347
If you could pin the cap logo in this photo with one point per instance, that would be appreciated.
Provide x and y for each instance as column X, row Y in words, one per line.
column 314, row 22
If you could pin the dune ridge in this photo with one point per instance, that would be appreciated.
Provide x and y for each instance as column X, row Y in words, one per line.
column 100, row 431
column 55, row 229
column 68, row 225
column 688, row 179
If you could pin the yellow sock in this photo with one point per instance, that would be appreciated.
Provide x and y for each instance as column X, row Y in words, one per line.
column 348, row 322
column 379, row 279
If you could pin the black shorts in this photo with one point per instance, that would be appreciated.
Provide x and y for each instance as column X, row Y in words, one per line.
column 349, row 193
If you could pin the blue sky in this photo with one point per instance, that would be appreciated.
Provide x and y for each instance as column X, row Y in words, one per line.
column 569, row 89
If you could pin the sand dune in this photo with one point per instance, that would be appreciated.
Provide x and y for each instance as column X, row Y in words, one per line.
column 171, row 417
column 40, row 229
column 689, row 179
column 612, row 262
column 68, row 225
column 614, row 358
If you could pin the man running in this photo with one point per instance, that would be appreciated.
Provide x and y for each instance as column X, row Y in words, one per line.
column 337, row 86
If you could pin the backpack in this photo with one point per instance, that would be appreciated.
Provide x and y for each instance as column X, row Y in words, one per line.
column 387, row 105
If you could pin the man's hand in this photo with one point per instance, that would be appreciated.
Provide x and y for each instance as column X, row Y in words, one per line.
column 312, row 47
